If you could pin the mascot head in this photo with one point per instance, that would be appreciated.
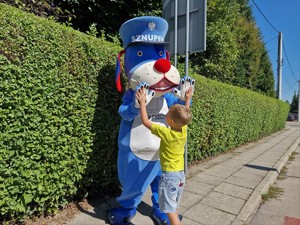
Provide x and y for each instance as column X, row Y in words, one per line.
column 146, row 59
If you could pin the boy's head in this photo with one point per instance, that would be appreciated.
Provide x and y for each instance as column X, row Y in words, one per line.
column 178, row 116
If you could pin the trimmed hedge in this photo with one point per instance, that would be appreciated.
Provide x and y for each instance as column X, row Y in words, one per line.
column 59, row 120
column 225, row 117
column 58, row 114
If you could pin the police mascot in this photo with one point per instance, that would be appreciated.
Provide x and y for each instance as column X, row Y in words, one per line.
column 147, row 65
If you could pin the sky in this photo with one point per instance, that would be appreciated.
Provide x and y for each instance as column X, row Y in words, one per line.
column 273, row 16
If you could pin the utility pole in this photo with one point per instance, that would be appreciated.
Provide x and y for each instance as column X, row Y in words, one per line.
column 279, row 66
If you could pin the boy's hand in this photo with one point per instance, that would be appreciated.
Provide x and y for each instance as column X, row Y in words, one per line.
column 185, row 84
column 143, row 94
column 189, row 93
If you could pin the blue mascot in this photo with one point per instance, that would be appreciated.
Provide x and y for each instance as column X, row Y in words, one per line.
column 147, row 65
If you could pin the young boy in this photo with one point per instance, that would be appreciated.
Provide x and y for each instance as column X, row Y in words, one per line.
column 171, row 152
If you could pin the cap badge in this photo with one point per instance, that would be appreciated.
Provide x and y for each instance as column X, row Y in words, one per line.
column 151, row 26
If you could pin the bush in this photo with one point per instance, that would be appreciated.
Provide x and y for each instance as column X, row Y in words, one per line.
column 225, row 117
column 57, row 103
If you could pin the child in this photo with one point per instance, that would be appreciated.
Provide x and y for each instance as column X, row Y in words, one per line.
column 171, row 152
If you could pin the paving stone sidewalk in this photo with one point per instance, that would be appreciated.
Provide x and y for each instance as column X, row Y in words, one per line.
column 225, row 190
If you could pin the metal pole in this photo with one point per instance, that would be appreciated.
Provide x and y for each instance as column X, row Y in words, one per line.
column 187, row 37
column 175, row 33
column 186, row 71
column 279, row 66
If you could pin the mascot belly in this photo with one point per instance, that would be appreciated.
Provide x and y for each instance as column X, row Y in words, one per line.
column 147, row 66
column 142, row 143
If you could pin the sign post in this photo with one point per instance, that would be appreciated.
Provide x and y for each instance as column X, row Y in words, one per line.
column 186, row 33
column 187, row 26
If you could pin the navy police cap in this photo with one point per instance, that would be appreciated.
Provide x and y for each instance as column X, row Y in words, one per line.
column 144, row 29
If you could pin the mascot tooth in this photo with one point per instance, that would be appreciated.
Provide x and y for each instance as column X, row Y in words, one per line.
column 147, row 65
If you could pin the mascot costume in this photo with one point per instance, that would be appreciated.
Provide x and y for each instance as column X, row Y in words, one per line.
column 147, row 65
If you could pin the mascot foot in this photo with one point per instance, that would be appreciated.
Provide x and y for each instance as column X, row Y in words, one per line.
column 162, row 218
column 121, row 216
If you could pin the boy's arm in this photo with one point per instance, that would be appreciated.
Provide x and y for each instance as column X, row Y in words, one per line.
column 188, row 102
column 141, row 96
column 188, row 97
column 144, row 115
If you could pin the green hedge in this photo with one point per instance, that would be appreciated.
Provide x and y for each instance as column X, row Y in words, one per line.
column 58, row 114
column 59, row 120
column 225, row 117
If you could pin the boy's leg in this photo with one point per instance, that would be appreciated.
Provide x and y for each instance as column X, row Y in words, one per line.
column 173, row 218
column 170, row 189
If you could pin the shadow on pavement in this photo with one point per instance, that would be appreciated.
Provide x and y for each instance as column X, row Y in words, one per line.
column 261, row 167
column 99, row 211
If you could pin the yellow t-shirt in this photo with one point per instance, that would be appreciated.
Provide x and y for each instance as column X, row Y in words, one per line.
column 172, row 143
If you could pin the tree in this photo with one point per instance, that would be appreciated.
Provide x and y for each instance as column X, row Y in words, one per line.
column 235, row 51
column 294, row 104
column 219, row 59
column 108, row 15
column 43, row 8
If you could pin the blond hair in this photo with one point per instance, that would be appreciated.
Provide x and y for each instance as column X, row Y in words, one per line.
column 180, row 114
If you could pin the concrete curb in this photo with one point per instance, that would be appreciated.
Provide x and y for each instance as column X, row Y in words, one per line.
column 254, row 201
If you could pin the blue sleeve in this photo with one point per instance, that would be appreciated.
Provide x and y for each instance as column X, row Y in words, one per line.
column 127, row 110
column 172, row 100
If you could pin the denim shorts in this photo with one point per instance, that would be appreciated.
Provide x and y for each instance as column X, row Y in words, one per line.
column 170, row 189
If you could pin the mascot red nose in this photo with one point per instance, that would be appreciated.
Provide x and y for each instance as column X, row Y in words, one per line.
column 147, row 65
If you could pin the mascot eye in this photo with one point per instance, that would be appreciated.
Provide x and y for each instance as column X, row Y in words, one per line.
column 139, row 53
column 161, row 53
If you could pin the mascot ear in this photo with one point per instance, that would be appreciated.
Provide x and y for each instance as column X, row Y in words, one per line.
column 167, row 55
column 118, row 71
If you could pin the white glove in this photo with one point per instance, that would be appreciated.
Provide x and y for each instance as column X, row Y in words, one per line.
column 185, row 83
column 150, row 94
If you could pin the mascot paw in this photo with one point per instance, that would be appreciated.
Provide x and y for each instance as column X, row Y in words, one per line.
column 121, row 216
column 185, row 83
column 162, row 218
column 150, row 94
